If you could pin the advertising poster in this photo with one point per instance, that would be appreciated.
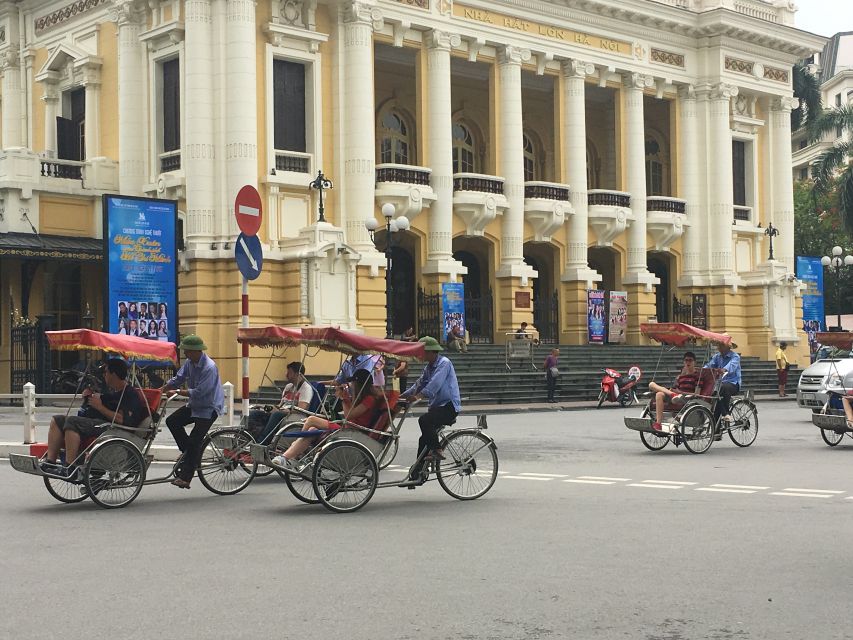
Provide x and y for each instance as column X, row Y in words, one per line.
column 810, row 273
column 699, row 310
column 453, row 309
column 618, row 317
column 140, row 248
column 596, row 316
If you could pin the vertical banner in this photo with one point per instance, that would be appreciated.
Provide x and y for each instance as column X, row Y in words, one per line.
column 140, row 249
column 618, row 317
column 810, row 273
column 699, row 310
column 596, row 316
column 453, row 309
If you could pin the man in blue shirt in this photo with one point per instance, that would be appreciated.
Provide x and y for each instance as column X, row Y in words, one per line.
column 205, row 404
column 728, row 362
column 439, row 386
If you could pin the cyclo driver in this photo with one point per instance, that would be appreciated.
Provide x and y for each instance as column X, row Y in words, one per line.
column 438, row 384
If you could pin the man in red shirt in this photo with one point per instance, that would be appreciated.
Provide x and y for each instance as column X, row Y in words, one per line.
column 686, row 382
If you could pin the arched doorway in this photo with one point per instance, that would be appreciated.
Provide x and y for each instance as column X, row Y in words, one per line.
column 605, row 260
column 403, row 280
column 659, row 264
column 474, row 253
column 543, row 257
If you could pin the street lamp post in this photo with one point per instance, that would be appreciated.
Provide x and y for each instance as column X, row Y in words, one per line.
column 321, row 183
column 392, row 226
column 835, row 263
column 771, row 232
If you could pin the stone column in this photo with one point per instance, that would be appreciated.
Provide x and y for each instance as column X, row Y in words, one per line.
column 131, row 99
column 197, row 155
column 51, row 100
column 440, row 155
column 93, row 115
column 360, row 19
column 241, row 129
column 783, row 194
column 12, row 130
column 689, row 169
column 720, row 187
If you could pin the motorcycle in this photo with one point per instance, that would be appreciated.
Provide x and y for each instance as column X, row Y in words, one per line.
column 618, row 388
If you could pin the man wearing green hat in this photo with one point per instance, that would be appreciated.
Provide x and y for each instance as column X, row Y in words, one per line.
column 438, row 384
column 205, row 404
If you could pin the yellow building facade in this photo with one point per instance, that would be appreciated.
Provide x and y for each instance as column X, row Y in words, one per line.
column 537, row 149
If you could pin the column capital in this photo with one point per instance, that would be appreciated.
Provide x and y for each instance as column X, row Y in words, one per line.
column 509, row 54
column 576, row 68
column 723, row 91
column 639, row 81
column 441, row 40
column 784, row 103
column 9, row 59
column 127, row 12
column 686, row 92
column 363, row 13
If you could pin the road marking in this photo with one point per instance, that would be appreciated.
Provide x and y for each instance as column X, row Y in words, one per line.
column 528, row 478
column 686, row 484
column 801, row 495
column 719, row 490
column 656, row 486
column 830, row 491
column 604, row 478
column 578, row 481
column 545, row 475
column 740, row 486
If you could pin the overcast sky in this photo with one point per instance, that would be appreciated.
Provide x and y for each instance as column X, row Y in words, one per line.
column 825, row 17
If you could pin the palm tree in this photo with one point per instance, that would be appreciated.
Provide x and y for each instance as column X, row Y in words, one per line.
column 832, row 171
column 807, row 89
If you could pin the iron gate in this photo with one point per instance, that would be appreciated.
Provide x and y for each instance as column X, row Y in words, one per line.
column 545, row 314
column 479, row 318
column 429, row 315
column 30, row 357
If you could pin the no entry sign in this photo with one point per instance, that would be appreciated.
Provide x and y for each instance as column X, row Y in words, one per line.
column 247, row 210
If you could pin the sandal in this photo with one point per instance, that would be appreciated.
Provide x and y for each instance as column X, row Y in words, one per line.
column 181, row 483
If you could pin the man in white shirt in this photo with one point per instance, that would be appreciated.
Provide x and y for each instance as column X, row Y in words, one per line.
column 297, row 392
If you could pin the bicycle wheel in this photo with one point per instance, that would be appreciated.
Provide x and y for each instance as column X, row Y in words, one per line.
column 345, row 476
column 697, row 428
column 280, row 443
column 389, row 452
column 226, row 467
column 302, row 488
column 471, row 465
column 652, row 441
column 67, row 492
column 114, row 474
column 830, row 437
column 744, row 427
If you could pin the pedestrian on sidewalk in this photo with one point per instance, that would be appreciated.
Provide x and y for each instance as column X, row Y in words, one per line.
column 782, row 366
column 552, row 373
column 205, row 404
column 401, row 372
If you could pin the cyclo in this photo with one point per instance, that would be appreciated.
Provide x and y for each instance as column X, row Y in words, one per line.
column 341, row 467
column 114, row 465
column 831, row 419
column 690, row 416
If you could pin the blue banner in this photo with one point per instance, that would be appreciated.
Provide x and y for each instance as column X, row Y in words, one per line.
column 140, row 248
column 596, row 316
column 453, row 309
column 810, row 273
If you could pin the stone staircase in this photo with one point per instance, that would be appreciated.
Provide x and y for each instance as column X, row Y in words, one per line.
column 484, row 379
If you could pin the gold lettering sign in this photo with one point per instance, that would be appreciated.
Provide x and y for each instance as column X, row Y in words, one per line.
column 543, row 30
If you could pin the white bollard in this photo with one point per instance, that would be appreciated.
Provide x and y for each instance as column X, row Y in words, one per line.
column 29, row 403
column 228, row 391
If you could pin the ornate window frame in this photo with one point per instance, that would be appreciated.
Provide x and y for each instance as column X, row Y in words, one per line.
column 410, row 137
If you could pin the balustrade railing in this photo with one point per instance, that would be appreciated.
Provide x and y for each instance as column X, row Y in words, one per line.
column 293, row 161
column 743, row 214
column 606, row 198
column 68, row 169
column 405, row 174
column 170, row 161
column 547, row 191
column 666, row 205
column 477, row 182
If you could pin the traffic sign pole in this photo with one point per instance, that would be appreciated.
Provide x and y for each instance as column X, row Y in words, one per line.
column 244, row 322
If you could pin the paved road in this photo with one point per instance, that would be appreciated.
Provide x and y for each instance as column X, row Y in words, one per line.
column 585, row 535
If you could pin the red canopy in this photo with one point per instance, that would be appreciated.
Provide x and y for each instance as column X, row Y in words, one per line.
column 130, row 347
column 678, row 333
column 330, row 339
column 838, row 339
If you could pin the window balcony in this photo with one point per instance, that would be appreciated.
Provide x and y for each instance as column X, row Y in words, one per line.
column 407, row 187
column 665, row 220
column 170, row 161
column 546, row 207
column 27, row 172
column 742, row 214
column 65, row 169
column 293, row 162
column 478, row 199
column 609, row 214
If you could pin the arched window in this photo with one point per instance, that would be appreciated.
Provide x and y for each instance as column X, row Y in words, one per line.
column 530, row 164
column 464, row 150
column 394, row 141
column 654, row 168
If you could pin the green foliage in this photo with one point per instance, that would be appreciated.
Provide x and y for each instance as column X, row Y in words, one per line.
column 807, row 89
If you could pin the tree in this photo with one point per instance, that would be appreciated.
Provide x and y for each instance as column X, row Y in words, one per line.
column 807, row 89
column 832, row 171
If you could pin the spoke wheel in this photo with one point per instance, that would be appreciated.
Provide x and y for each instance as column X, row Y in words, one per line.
column 67, row 492
column 345, row 476
column 471, row 465
column 744, row 427
column 280, row 443
column 830, row 437
column 697, row 428
column 652, row 441
column 389, row 452
column 627, row 398
column 114, row 474
column 226, row 466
